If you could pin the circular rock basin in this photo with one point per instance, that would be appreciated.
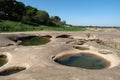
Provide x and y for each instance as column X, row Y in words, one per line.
column 11, row 70
column 30, row 41
column 83, row 60
column 3, row 60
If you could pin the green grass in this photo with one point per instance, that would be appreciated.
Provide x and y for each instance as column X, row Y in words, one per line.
column 10, row 26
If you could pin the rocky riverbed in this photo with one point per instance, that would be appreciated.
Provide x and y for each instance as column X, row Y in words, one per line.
column 37, row 62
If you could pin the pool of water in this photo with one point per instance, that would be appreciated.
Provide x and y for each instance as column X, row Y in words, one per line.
column 87, row 61
column 3, row 60
column 34, row 41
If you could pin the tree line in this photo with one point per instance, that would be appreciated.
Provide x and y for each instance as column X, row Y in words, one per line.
column 17, row 11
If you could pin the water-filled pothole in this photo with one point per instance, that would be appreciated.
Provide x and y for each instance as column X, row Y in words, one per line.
column 3, row 60
column 83, row 60
column 29, row 41
column 11, row 70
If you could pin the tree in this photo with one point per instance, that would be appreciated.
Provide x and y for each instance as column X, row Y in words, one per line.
column 30, row 11
column 6, row 7
column 2, row 13
column 29, row 14
column 26, row 19
column 41, row 17
column 11, row 9
column 56, row 19
column 18, row 10
column 64, row 22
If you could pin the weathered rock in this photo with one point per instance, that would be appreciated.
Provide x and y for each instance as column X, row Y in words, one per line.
column 37, row 62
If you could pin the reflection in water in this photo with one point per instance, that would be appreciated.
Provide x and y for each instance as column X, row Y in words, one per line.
column 88, row 61
column 3, row 60
column 34, row 41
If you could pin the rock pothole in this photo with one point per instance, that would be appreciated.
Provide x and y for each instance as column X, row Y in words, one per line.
column 87, row 60
column 81, row 47
column 64, row 36
column 3, row 59
column 33, row 40
column 11, row 70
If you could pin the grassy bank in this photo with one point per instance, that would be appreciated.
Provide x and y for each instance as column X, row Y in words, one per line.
column 10, row 26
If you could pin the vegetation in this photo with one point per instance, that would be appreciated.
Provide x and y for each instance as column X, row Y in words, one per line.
column 17, row 11
column 15, row 16
column 10, row 26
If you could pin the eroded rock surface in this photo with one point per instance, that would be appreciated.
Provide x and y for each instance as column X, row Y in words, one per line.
column 37, row 62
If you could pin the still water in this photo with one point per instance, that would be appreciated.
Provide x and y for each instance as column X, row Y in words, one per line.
column 87, row 61
column 34, row 41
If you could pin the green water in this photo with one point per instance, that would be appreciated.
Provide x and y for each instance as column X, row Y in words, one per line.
column 87, row 61
column 3, row 60
column 34, row 41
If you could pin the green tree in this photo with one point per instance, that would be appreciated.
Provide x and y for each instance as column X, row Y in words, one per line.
column 41, row 17
column 64, row 22
column 6, row 7
column 11, row 9
column 29, row 14
column 2, row 13
column 26, row 19
column 56, row 19
column 18, row 11
column 30, row 11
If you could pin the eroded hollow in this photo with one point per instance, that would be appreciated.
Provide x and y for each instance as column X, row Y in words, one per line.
column 11, row 70
column 83, row 60
column 81, row 48
column 64, row 36
column 3, row 60
column 33, row 40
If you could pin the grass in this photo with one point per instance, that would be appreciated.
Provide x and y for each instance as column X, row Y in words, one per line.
column 11, row 26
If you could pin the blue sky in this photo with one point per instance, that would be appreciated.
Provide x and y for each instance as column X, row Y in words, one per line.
column 81, row 12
